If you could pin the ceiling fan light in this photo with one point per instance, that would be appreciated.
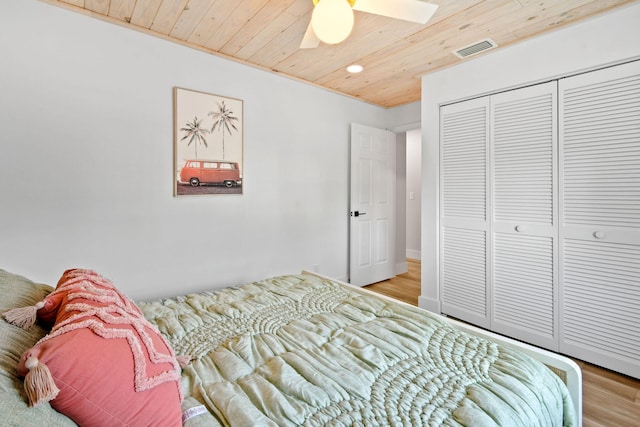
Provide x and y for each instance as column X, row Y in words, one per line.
column 332, row 20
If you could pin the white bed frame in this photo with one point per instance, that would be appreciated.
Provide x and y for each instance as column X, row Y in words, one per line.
column 564, row 367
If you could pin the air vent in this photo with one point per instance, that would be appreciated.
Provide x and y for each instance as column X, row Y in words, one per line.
column 475, row 48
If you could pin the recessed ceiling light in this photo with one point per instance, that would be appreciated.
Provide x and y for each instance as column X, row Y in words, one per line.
column 355, row 68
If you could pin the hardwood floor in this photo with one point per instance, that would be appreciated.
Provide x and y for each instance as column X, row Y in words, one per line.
column 609, row 399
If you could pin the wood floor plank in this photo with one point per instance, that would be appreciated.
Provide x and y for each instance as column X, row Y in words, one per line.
column 609, row 399
column 621, row 387
column 601, row 406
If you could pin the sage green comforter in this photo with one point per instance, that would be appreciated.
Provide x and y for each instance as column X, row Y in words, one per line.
column 18, row 291
column 303, row 351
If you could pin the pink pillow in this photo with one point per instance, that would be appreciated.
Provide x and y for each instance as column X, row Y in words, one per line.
column 111, row 366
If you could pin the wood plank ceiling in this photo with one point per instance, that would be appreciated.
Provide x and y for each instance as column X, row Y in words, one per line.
column 394, row 53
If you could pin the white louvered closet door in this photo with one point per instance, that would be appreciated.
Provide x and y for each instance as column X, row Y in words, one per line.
column 600, row 230
column 523, row 245
column 464, row 260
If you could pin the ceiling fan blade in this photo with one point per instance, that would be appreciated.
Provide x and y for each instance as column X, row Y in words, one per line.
column 310, row 39
column 407, row 10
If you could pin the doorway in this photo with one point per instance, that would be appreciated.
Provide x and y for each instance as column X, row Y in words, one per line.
column 409, row 195
column 408, row 190
column 414, row 193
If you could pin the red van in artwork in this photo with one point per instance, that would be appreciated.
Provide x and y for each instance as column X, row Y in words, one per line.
column 198, row 172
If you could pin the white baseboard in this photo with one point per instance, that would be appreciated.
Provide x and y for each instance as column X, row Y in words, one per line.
column 429, row 304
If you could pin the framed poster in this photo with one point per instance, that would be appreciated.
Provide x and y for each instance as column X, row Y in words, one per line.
column 207, row 143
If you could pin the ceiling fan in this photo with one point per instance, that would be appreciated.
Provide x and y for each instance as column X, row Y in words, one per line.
column 332, row 20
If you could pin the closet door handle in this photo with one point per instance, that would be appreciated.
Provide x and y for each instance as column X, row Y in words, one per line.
column 599, row 234
column 519, row 228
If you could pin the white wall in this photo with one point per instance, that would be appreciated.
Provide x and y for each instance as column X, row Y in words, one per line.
column 86, row 161
column 597, row 42
column 413, row 192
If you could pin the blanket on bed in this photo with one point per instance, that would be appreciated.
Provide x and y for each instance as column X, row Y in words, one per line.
column 303, row 351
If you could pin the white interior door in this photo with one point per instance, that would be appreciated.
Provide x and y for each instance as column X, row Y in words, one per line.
column 464, row 203
column 372, row 223
column 600, row 217
column 524, row 229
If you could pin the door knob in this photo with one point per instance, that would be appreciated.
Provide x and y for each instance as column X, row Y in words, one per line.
column 357, row 213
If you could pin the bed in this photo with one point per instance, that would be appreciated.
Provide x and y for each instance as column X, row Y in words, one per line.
column 306, row 350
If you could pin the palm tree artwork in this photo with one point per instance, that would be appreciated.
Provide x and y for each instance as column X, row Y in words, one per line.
column 195, row 133
column 223, row 120
column 197, row 117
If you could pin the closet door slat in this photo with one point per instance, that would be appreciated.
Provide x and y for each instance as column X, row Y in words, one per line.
column 602, row 177
column 464, row 163
column 464, row 273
